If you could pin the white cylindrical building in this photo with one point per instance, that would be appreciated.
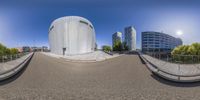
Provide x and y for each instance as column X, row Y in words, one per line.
column 71, row 35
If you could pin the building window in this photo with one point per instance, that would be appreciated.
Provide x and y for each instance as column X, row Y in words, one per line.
column 51, row 28
column 83, row 22
column 150, row 39
column 91, row 26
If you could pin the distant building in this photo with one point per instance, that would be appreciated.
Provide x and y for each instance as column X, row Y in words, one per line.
column 45, row 49
column 20, row 50
column 130, row 38
column 34, row 49
column 116, row 37
column 159, row 43
column 26, row 49
column 40, row 49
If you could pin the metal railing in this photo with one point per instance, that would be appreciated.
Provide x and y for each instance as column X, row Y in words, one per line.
column 179, row 59
column 186, row 59
column 6, row 58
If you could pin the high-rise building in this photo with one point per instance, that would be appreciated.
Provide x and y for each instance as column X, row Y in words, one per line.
column 159, row 43
column 117, row 36
column 130, row 38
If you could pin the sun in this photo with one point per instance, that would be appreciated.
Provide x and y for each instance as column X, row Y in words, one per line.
column 179, row 32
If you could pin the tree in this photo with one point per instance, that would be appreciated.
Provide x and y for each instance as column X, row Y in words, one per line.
column 3, row 50
column 14, row 51
column 106, row 48
column 125, row 46
column 118, row 46
column 6, row 51
column 180, row 50
column 194, row 49
column 187, row 53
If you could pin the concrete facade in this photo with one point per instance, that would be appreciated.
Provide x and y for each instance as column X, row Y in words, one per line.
column 130, row 37
column 71, row 35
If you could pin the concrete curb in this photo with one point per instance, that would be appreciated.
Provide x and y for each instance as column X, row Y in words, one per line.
column 82, row 60
column 15, row 70
column 87, row 61
column 169, row 76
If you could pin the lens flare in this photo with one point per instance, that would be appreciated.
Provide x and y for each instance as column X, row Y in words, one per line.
column 179, row 32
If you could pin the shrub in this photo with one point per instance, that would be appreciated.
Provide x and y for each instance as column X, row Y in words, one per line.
column 6, row 51
column 13, row 51
column 3, row 50
column 118, row 46
column 187, row 53
column 106, row 48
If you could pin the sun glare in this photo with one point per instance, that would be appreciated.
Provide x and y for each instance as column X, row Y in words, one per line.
column 179, row 32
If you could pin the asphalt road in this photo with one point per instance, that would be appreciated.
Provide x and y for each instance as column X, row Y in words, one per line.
column 122, row 78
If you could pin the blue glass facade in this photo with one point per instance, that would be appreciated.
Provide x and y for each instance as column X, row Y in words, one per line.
column 157, row 42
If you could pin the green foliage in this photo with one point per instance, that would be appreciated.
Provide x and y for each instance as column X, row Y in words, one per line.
column 14, row 51
column 187, row 53
column 125, row 46
column 181, row 50
column 6, row 51
column 118, row 46
column 3, row 50
column 193, row 49
column 106, row 48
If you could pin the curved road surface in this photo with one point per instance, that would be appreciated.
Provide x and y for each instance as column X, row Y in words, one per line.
column 122, row 78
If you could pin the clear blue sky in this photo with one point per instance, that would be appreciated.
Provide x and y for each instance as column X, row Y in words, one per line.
column 26, row 22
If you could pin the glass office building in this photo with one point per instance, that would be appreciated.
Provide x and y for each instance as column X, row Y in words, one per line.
column 130, row 37
column 159, row 43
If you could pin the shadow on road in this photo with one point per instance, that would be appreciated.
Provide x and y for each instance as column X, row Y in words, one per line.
column 13, row 78
column 175, row 84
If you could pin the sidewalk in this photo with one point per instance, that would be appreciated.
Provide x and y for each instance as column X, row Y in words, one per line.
column 173, row 71
column 9, row 68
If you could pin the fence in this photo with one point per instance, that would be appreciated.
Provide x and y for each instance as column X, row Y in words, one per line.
column 180, row 59
column 6, row 58
column 186, row 59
